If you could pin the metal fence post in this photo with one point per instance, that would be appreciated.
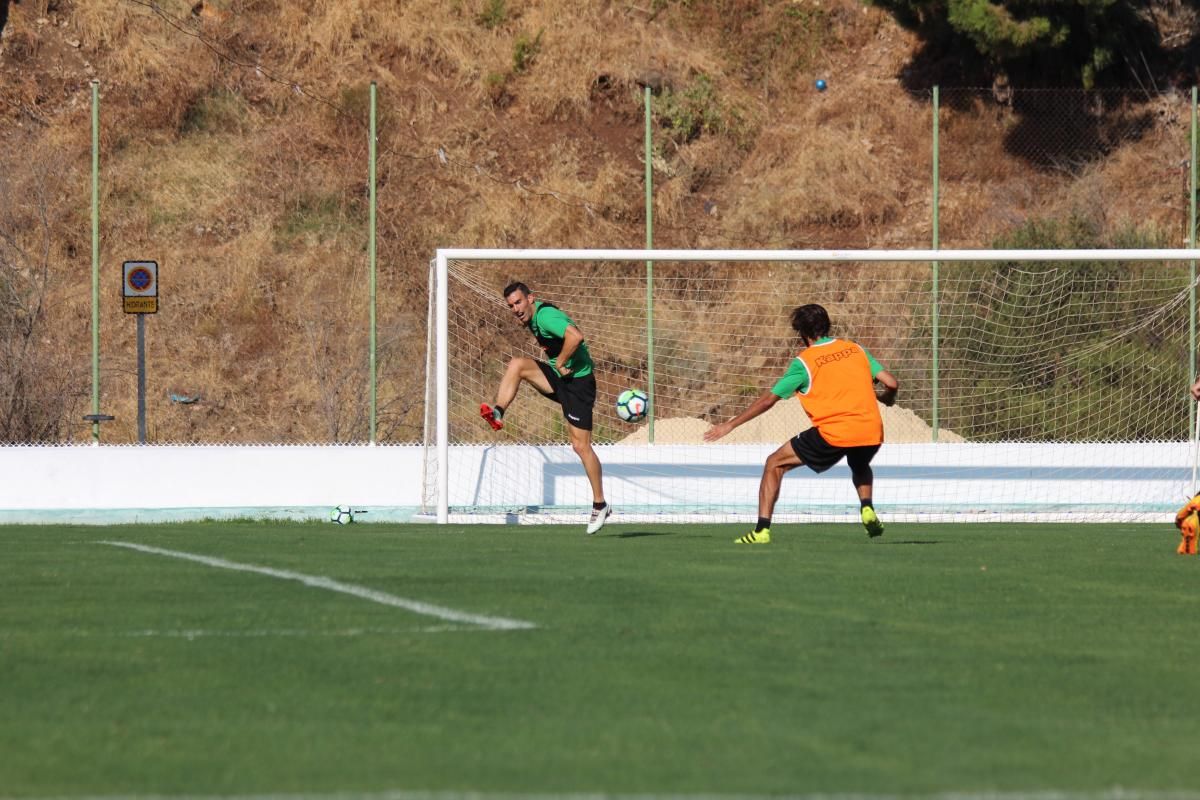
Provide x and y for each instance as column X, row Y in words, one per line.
column 95, row 262
column 934, row 298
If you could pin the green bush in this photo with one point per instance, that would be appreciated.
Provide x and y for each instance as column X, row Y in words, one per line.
column 524, row 51
column 319, row 216
column 695, row 110
column 493, row 14
column 218, row 112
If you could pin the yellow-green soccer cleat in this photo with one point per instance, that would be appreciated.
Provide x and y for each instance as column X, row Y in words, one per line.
column 871, row 522
column 761, row 537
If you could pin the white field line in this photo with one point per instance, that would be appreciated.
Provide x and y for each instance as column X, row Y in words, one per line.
column 249, row 633
column 1101, row 794
column 320, row 582
column 259, row 633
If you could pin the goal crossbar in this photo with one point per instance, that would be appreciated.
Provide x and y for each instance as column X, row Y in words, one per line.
column 1104, row 254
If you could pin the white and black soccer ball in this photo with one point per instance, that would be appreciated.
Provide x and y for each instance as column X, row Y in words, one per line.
column 632, row 405
column 341, row 515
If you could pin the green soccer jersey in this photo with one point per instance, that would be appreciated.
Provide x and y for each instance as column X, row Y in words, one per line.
column 549, row 325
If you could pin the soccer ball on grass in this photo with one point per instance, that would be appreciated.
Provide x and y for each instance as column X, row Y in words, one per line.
column 632, row 405
column 341, row 515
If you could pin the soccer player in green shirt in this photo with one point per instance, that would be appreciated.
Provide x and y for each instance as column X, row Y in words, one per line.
column 567, row 380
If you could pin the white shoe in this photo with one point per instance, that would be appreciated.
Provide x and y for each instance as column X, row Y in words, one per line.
column 599, row 516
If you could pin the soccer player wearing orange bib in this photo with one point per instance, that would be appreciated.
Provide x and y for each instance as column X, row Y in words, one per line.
column 834, row 380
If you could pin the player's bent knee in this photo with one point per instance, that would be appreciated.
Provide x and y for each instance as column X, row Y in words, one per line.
column 782, row 461
column 775, row 467
column 863, row 476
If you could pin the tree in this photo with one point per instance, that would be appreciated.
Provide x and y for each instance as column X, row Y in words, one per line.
column 1036, row 42
column 35, row 387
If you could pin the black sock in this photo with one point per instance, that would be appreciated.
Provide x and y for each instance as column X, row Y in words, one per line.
column 497, row 412
column 763, row 524
column 866, row 503
column 598, row 506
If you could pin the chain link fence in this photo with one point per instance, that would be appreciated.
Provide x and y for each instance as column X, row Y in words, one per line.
column 274, row 347
column 1113, row 166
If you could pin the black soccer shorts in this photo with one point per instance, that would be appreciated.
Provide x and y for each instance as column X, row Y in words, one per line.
column 575, row 395
column 819, row 455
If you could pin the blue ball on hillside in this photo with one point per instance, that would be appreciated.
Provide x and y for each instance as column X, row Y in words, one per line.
column 821, row 84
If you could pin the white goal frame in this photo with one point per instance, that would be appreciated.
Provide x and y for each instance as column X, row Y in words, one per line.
column 439, row 336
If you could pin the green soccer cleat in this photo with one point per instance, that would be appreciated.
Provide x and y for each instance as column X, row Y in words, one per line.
column 761, row 537
column 871, row 522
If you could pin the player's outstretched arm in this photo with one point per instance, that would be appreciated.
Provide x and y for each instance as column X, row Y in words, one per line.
column 762, row 404
column 890, row 386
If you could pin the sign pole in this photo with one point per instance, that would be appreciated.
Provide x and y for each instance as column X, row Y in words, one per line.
column 141, row 379
column 139, row 293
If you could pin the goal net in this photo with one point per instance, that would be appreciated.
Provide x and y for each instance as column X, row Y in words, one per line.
column 1034, row 384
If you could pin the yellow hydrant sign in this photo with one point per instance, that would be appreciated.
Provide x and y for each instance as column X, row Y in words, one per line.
column 139, row 287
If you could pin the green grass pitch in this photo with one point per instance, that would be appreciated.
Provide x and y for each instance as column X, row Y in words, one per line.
column 664, row 661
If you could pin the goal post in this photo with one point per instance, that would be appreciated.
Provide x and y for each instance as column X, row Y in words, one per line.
column 1055, row 387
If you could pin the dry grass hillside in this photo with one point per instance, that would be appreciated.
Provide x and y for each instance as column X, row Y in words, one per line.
column 234, row 151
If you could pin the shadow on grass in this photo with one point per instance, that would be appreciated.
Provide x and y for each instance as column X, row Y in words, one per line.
column 635, row 534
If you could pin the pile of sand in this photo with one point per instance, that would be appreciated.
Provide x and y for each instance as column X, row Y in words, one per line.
column 781, row 423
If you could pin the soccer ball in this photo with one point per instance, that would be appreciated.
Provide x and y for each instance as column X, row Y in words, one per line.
column 632, row 405
column 341, row 515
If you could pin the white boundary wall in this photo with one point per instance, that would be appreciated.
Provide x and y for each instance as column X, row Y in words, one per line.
column 925, row 482
column 148, row 483
column 112, row 484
